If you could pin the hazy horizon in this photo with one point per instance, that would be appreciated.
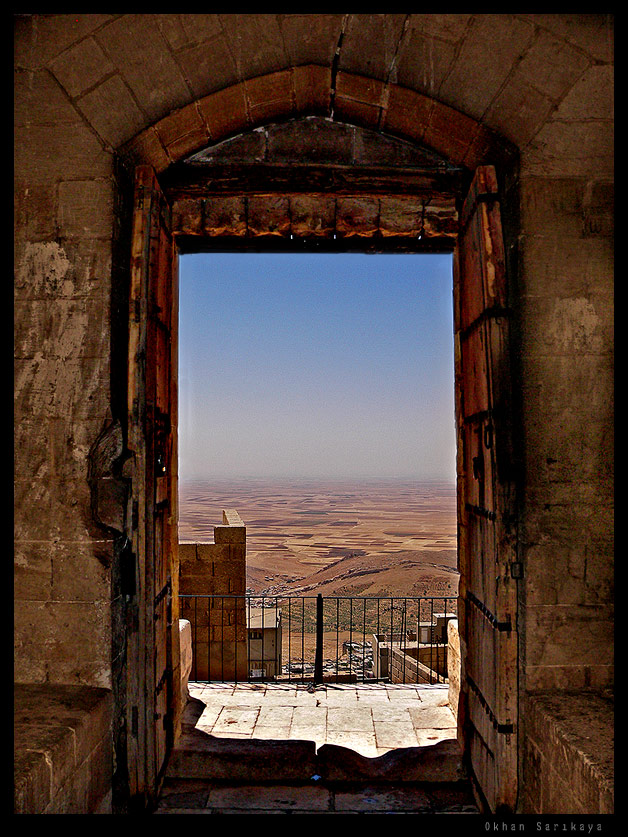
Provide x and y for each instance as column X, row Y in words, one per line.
column 316, row 367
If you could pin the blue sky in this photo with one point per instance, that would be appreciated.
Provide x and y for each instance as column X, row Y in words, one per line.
column 316, row 365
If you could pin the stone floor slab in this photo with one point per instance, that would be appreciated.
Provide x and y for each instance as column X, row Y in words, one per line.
column 431, row 717
column 284, row 797
column 318, row 713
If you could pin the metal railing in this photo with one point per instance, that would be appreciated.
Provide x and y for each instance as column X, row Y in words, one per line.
column 319, row 638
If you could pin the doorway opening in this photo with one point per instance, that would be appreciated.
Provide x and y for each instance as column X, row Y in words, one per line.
column 316, row 398
column 166, row 227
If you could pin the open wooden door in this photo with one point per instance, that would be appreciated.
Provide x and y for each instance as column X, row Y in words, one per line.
column 152, row 633
column 486, row 499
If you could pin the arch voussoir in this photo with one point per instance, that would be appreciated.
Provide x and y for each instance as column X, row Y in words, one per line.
column 311, row 90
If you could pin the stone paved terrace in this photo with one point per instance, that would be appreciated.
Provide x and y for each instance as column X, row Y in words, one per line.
column 370, row 719
column 283, row 748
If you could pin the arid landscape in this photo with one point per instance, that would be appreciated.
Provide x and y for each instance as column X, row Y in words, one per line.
column 366, row 538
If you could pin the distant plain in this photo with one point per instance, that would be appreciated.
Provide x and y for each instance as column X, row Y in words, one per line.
column 352, row 537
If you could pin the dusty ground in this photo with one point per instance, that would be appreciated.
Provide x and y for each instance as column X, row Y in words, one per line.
column 368, row 538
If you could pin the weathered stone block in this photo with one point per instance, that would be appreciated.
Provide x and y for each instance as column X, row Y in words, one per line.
column 369, row 91
column 255, row 41
column 32, row 781
column 519, row 111
column 35, row 212
column 85, row 208
column 311, row 39
column 80, row 572
column 450, row 131
column 552, row 65
column 32, row 572
column 407, row 113
column 40, row 101
column 269, row 96
column 357, row 113
column 145, row 148
column 45, row 632
column 478, row 73
column 572, row 638
column 571, row 149
column 555, row 574
column 225, row 112
column 67, row 729
column 420, row 66
column 598, row 209
column 41, row 38
column 51, row 389
column 128, row 40
column 382, row 32
column 569, row 743
column 182, row 129
column 185, row 651
column 112, row 111
column 208, row 66
column 552, row 207
column 226, row 534
column 312, row 89
column 81, row 67
column 591, row 97
column 44, row 154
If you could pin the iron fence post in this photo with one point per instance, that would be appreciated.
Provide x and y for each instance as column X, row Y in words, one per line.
column 318, row 659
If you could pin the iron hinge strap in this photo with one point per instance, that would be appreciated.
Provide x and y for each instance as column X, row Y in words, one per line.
column 504, row 729
column 480, row 512
column 495, row 312
column 500, row 626
column 163, row 592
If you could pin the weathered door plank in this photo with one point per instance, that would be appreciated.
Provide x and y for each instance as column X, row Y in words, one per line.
column 151, row 391
column 486, row 494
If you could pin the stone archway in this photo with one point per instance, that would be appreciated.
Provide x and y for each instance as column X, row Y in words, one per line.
column 361, row 186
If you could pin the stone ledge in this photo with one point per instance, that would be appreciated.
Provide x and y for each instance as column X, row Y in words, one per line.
column 201, row 756
column 570, row 737
column 62, row 749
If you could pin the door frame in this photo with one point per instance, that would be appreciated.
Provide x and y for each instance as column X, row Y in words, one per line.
column 201, row 241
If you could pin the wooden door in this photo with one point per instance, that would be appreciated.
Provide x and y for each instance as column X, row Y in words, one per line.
column 152, row 644
column 486, row 499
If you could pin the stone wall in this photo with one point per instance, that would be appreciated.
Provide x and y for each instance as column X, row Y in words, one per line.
column 218, row 624
column 569, row 759
column 427, row 664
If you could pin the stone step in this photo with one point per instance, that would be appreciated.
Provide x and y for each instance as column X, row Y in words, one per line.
column 202, row 756
column 193, row 796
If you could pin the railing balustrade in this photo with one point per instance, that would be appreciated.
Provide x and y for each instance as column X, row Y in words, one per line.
column 319, row 639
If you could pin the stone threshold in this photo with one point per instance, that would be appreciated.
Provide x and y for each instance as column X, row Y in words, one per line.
column 201, row 756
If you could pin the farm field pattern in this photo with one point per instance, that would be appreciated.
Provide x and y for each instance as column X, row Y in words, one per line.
column 362, row 537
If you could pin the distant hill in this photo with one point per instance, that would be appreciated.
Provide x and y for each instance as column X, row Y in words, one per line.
column 403, row 573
